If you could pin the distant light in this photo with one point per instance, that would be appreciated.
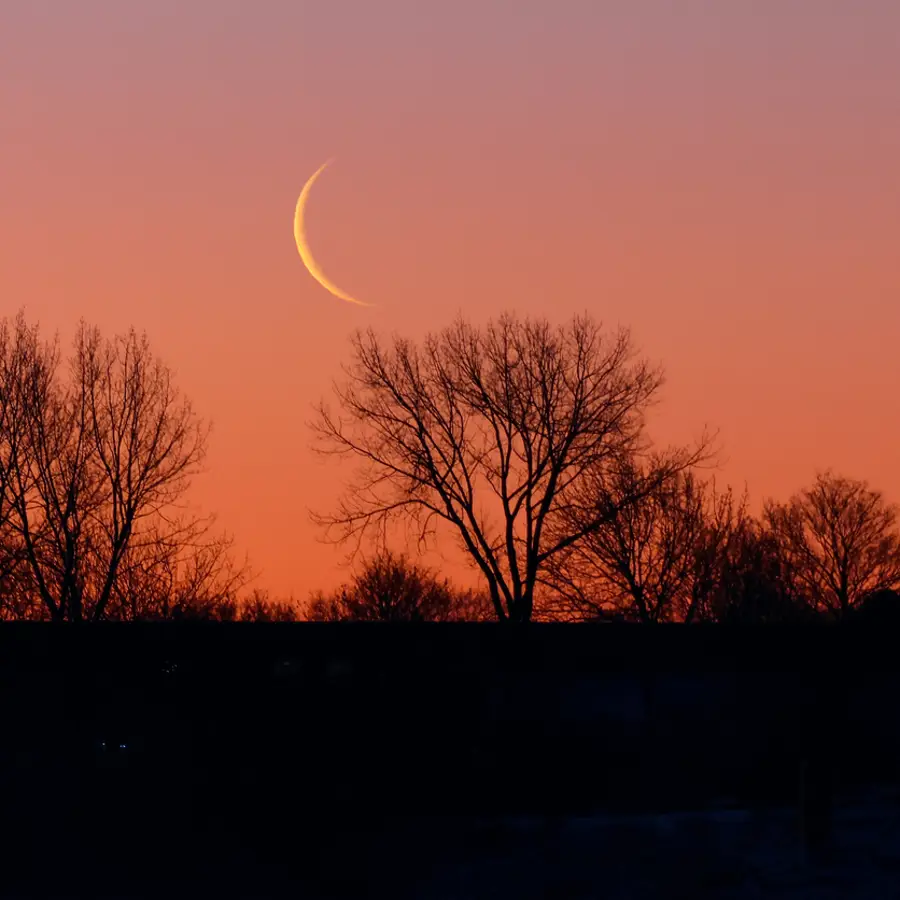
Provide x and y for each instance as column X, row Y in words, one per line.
column 122, row 746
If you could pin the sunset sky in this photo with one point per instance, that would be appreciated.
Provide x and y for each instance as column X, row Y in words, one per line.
column 723, row 176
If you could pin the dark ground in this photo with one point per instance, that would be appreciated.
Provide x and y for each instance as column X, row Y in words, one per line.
column 317, row 761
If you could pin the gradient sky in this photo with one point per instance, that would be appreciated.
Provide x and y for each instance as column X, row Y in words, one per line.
column 723, row 176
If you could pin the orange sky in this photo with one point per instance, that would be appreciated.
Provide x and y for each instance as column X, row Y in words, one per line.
column 722, row 175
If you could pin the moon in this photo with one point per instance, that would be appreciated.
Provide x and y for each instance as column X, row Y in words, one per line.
column 303, row 245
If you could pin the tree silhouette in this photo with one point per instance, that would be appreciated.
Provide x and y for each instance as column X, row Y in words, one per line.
column 258, row 606
column 489, row 431
column 640, row 560
column 745, row 578
column 684, row 552
column 840, row 540
column 880, row 608
column 91, row 463
column 390, row 588
column 20, row 369
column 179, row 568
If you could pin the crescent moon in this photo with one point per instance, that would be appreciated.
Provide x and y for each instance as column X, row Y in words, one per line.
column 303, row 245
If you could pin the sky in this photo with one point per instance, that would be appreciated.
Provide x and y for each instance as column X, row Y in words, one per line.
column 720, row 175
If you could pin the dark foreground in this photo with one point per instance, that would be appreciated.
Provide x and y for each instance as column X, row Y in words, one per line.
column 317, row 761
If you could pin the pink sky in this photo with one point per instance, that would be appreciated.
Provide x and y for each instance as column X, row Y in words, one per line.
column 721, row 176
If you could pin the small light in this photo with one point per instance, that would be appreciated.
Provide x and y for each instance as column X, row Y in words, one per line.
column 122, row 746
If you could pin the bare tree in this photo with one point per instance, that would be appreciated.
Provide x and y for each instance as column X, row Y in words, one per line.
column 725, row 519
column 840, row 539
column 686, row 552
column 106, row 452
column 20, row 373
column 325, row 607
column 259, row 607
column 391, row 588
column 178, row 568
column 640, row 561
column 471, row 605
column 489, row 431
column 740, row 575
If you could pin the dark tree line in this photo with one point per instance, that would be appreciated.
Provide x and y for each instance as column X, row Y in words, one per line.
column 523, row 442
column 527, row 444
column 686, row 553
